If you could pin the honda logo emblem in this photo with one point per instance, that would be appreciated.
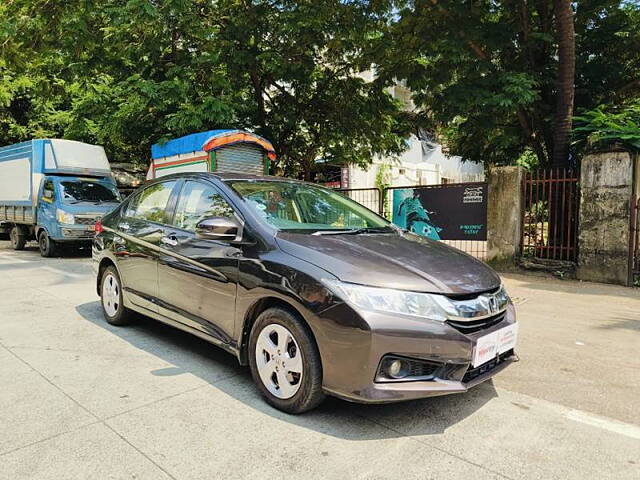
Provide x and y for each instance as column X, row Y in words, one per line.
column 493, row 304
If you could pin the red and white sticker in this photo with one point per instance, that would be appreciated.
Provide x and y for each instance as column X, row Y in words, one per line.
column 495, row 343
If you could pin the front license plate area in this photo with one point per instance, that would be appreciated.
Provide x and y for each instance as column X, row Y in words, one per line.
column 495, row 343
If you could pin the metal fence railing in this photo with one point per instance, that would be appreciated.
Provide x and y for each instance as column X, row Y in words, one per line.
column 550, row 214
column 369, row 197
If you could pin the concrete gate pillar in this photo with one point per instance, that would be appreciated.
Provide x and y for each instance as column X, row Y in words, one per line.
column 504, row 215
column 606, row 187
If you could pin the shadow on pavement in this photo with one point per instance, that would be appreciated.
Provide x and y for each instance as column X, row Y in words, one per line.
column 335, row 417
column 62, row 251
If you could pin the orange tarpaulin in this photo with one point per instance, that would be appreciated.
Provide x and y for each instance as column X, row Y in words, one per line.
column 224, row 140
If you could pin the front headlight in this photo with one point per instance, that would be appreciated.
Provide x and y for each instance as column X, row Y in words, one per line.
column 425, row 305
column 65, row 217
column 387, row 300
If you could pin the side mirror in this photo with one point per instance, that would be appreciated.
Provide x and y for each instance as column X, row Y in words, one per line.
column 47, row 194
column 218, row 228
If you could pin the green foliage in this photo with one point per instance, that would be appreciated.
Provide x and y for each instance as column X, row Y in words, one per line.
column 484, row 72
column 129, row 74
column 609, row 127
column 528, row 160
column 383, row 181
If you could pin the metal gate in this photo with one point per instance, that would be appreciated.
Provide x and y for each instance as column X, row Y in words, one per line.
column 634, row 244
column 550, row 216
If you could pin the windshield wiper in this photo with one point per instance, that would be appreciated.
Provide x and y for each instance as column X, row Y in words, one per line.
column 354, row 231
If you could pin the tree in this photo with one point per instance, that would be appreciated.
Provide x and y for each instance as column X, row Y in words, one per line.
column 123, row 75
column 565, row 89
column 299, row 64
column 494, row 80
column 128, row 74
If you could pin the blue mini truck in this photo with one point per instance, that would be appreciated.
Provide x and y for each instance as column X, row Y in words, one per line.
column 54, row 191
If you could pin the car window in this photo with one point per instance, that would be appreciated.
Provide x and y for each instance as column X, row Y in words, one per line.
column 304, row 208
column 48, row 190
column 76, row 191
column 197, row 202
column 151, row 203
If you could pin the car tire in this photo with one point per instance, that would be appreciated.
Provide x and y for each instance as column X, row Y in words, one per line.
column 292, row 343
column 17, row 238
column 113, row 307
column 47, row 246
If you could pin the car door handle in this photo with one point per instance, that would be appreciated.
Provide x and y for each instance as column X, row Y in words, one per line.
column 170, row 240
column 124, row 226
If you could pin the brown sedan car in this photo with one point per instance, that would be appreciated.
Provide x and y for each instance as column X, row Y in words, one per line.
column 316, row 293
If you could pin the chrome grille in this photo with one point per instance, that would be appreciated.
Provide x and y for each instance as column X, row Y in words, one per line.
column 86, row 220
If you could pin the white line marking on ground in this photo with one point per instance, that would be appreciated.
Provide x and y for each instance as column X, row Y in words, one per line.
column 604, row 423
column 593, row 420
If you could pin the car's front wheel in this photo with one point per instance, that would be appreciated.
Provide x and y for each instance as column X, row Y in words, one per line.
column 285, row 363
column 111, row 294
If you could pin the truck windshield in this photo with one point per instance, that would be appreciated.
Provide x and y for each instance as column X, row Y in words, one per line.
column 76, row 191
column 304, row 208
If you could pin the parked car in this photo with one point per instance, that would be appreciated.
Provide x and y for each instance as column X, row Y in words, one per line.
column 316, row 293
column 53, row 191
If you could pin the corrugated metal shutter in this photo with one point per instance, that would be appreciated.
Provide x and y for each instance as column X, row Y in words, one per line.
column 240, row 159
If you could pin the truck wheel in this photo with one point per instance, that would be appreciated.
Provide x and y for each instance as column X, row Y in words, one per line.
column 284, row 361
column 47, row 246
column 17, row 237
column 111, row 293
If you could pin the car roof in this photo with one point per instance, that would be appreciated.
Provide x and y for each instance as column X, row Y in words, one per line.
column 225, row 177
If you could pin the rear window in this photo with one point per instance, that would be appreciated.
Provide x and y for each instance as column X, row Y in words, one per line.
column 151, row 203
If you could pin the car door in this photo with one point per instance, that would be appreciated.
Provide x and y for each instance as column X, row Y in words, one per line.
column 197, row 278
column 139, row 230
column 46, row 211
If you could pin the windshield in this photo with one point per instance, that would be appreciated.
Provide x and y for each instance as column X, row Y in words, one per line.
column 299, row 207
column 76, row 191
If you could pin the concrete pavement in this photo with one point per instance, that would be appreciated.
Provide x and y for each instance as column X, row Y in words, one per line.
column 82, row 399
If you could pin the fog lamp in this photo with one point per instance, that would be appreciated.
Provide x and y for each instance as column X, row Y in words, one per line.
column 397, row 369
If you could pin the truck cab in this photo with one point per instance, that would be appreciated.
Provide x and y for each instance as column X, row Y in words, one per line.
column 54, row 191
column 69, row 207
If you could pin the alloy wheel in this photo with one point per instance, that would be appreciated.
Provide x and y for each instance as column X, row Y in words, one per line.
column 110, row 294
column 279, row 361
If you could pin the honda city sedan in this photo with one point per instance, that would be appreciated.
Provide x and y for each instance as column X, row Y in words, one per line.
column 316, row 293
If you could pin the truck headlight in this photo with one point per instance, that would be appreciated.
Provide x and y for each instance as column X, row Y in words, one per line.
column 65, row 217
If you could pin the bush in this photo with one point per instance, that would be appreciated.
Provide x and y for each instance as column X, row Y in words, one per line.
column 607, row 127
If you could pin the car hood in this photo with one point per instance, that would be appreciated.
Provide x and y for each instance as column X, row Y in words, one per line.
column 398, row 260
column 89, row 208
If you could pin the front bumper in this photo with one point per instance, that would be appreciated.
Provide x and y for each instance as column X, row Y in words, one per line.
column 75, row 233
column 434, row 342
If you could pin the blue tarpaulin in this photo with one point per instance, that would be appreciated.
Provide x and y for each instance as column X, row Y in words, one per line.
column 186, row 144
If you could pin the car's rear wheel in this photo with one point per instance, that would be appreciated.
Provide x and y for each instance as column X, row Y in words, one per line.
column 111, row 294
column 47, row 246
column 285, row 363
column 18, row 238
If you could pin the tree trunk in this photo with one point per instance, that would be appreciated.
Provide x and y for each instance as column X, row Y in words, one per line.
column 565, row 88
